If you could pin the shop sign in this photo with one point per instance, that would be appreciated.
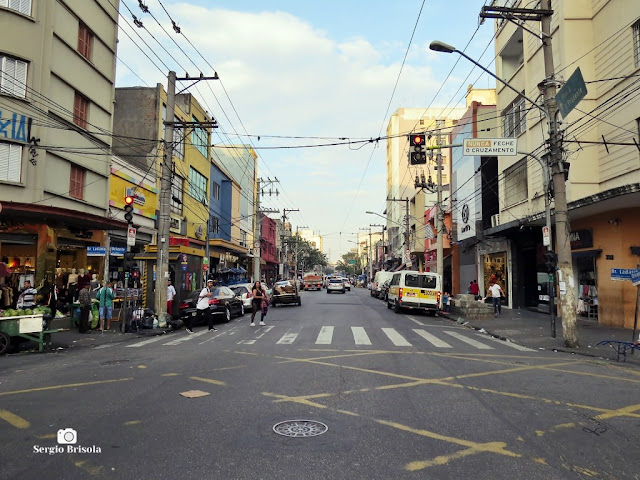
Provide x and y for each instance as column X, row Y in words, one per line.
column 96, row 251
column 183, row 262
column 623, row 273
column 137, row 194
column 635, row 278
column 118, row 251
column 581, row 239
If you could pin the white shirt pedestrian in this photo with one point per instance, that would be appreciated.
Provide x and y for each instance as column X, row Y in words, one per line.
column 496, row 290
column 171, row 293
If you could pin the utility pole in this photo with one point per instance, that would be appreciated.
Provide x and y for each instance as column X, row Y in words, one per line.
column 298, row 248
column 257, row 226
column 379, row 263
column 164, row 218
column 285, row 245
column 439, row 212
column 567, row 292
column 405, row 258
column 369, row 256
column 164, row 201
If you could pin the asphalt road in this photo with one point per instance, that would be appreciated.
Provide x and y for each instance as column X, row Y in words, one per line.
column 402, row 396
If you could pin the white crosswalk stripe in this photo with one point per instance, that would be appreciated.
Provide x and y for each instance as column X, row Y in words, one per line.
column 186, row 337
column 147, row 342
column 432, row 339
column 397, row 339
column 360, row 336
column 288, row 338
column 508, row 344
column 325, row 337
column 469, row 341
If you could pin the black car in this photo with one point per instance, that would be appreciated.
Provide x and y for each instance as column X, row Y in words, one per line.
column 223, row 303
column 285, row 292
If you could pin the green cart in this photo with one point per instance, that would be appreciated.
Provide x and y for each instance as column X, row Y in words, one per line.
column 30, row 327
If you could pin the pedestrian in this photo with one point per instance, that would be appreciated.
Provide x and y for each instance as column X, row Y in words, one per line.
column 495, row 292
column 27, row 298
column 84, row 298
column 445, row 302
column 258, row 294
column 105, row 298
column 202, row 308
column 171, row 294
column 474, row 289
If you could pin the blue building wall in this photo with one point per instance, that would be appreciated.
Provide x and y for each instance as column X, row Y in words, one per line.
column 220, row 208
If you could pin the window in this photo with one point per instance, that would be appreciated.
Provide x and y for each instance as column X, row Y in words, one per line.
column 514, row 119
column 199, row 139
column 22, row 6
column 512, row 55
column 176, row 194
column 215, row 190
column 636, row 43
column 243, row 238
column 198, row 186
column 80, row 110
column 178, row 140
column 85, row 41
column 76, row 185
column 515, row 183
column 214, row 225
column 13, row 76
column 10, row 162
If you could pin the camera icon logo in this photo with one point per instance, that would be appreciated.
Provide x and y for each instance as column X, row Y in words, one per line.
column 67, row 436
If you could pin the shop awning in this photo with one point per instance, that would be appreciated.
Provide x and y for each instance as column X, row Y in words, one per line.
column 34, row 211
column 587, row 253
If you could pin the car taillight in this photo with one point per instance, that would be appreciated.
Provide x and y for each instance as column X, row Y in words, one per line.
column 214, row 301
column 249, row 295
column 399, row 293
column 184, row 305
column 438, row 297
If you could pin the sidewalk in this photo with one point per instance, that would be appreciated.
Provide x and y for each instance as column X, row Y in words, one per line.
column 533, row 330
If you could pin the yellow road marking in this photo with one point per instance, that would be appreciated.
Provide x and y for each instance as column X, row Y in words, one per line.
column 440, row 460
column 300, row 400
column 47, row 436
column 14, row 419
column 93, row 470
column 621, row 412
column 541, row 461
column 142, row 366
column 69, row 385
column 209, row 380
column 170, row 374
column 555, row 428
column 132, row 422
column 596, row 375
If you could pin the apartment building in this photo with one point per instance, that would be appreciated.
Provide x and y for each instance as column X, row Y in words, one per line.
column 599, row 140
column 57, row 59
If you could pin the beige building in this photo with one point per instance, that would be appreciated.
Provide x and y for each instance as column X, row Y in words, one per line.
column 315, row 239
column 602, row 39
column 401, row 176
column 57, row 59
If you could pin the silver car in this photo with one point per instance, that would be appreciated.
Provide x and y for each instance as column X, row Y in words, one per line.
column 336, row 285
column 243, row 290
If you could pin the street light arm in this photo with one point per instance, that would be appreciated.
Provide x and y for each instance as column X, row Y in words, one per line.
column 438, row 46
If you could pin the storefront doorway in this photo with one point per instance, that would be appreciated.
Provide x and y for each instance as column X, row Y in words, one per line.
column 495, row 269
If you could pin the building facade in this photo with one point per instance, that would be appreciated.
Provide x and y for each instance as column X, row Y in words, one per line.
column 602, row 38
column 57, row 92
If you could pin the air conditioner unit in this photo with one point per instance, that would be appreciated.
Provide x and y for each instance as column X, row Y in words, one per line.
column 175, row 224
column 495, row 220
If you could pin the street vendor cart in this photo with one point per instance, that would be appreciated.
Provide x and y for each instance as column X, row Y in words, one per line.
column 30, row 327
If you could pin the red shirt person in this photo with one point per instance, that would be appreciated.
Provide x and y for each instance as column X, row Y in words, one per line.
column 474, row 288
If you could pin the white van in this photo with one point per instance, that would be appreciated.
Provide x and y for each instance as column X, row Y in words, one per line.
column 415, row 290
column 380, row 277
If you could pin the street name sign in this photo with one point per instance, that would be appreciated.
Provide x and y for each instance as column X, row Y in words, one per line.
column 490, row 146
column 571, row 93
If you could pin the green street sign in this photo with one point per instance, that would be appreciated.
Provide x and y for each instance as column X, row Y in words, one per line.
column 351, row 262
column 571, row 93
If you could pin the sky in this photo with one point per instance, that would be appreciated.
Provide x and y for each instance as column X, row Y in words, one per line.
column 326, row 72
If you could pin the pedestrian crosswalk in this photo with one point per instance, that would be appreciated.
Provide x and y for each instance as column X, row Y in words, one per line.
column 330, row 335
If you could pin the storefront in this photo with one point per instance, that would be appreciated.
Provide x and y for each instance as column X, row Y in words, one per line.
column 495, row 259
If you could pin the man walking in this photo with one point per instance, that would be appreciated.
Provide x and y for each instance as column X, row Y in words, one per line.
column 202, row 308
column 495, row 291
column 171, row 294
column 105, row 298
column 84, row 298
column 27, row 298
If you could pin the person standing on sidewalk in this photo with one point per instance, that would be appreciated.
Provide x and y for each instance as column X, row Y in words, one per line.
column 171, row 294
column 84, row 298
column 474, row 289
column 495, row 292
column 258, row 294
column 105, row 298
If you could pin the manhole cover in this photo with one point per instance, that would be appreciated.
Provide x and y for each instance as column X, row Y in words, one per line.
column 300, row 428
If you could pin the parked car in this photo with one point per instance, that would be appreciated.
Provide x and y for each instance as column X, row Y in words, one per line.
column 347, row 283
column 223, row 303
column 378, row 280
column 243, row 290
column 335, row 285
column 384, row 290
column 285, row 292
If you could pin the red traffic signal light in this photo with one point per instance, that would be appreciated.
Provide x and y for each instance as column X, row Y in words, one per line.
column 128, row 200
column 128, row 208
column 417, row 140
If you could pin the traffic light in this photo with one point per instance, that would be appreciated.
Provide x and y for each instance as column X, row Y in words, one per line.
column 128, row 208
column 550, row 261
column 129, row 261
column 417, row 155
